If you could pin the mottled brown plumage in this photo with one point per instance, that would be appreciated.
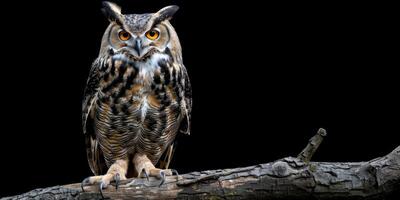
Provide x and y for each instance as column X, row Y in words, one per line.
column 137, row 98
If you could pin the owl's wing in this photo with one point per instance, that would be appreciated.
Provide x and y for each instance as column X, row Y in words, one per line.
column 90, row 94
column 187, row 103
column 93, row 151
column 184, row 127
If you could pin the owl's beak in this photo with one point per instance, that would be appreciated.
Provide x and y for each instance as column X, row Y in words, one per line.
column 138, row 47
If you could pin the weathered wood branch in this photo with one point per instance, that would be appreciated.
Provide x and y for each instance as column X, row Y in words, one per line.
column 312, row 146
column 287, row 178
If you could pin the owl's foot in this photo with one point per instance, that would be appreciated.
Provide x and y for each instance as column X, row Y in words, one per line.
column 155, row 172
column 161, row 173
column 116, row 173
column 147, row 169
column 103, row 182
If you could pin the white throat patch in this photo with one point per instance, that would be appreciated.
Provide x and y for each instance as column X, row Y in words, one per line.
column 145, row 77
column 147, row 69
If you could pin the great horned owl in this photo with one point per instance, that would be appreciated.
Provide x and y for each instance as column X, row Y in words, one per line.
column 137, row 98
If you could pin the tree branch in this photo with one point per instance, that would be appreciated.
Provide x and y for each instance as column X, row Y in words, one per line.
column 287, row 178
column 312, row 146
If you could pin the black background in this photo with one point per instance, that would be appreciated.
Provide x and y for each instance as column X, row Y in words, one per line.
column 265, row 77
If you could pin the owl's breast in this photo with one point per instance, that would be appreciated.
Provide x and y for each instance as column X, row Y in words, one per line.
column 128, row 84
column 136, row 110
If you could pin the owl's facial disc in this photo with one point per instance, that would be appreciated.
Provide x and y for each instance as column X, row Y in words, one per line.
column 139, row 35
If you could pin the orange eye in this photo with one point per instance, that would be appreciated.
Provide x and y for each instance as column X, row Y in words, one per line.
column 152, row 34
column 124, row 36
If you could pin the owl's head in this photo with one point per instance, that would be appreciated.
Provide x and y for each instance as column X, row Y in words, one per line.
column 140, row 35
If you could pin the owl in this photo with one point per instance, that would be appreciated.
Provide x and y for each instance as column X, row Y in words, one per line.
column 137, row 98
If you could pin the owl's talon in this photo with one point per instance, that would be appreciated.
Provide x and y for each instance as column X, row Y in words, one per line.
column 117, row 178
column 162, row 176
column 84, row 182
column 174, row 172
column 145, row 174
column 101, row 189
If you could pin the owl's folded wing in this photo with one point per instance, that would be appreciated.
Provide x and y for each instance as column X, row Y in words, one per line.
column 184, row 127
column 187, row 103
column 94, row 154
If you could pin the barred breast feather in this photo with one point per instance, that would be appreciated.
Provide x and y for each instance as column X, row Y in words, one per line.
column 134, row 107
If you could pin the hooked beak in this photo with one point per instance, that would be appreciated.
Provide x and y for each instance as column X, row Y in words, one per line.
column 138, row 48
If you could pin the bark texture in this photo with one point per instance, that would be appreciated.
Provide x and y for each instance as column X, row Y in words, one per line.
column 287, row 178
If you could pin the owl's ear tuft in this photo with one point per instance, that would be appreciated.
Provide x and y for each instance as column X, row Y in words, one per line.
column 112, row 11
column 165, row 13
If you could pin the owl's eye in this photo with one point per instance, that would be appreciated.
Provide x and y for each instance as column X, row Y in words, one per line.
column 124, row 36
column 152, row 34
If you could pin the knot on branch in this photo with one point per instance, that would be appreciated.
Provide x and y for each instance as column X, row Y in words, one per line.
column 281, row 169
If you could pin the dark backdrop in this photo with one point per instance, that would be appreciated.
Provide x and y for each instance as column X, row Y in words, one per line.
column 265, row 77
